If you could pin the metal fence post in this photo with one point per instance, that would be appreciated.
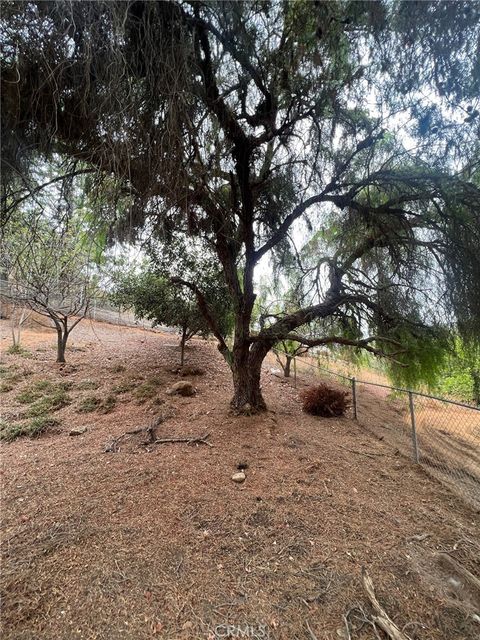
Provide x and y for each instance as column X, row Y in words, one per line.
column 295, row 372
column 414, row 427
column 354, row 397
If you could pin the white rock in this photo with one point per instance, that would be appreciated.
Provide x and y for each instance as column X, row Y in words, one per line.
column 239, row 477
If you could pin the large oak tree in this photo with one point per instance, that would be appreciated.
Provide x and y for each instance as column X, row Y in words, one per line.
column 249, row 124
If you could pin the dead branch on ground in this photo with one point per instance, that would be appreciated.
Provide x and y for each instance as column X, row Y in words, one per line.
column 381, row 618
column 151, row 437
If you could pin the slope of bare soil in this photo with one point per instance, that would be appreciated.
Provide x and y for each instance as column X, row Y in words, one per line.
column 156, row 541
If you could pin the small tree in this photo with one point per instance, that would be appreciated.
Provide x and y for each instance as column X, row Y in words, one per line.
column 289, row 350
column 49, row 270
column 19, row 314
column 157, row 298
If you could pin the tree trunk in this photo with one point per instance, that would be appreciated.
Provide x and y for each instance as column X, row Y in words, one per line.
column 62, row 338
column 475, row 373
column 182, row 345
column 246, row 369
column 286, row 368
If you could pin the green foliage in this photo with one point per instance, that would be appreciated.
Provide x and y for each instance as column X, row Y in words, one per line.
column 17, row 349
column 147, row 390
column 42, row 388
column 460, row 376
column 96, row 403
column 123, row 387
column 458, row 384
column 32, row 428
column 88, row 385
column 49, row 403
column 422, row 359
column 27, row 396
column 108, row 404
column 154, row 297
column 89, row 404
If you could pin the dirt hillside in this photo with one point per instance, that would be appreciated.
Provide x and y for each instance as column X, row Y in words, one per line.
column 156, row 541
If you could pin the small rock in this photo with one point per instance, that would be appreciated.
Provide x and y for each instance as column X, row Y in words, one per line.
column 77, row 432
column 182, row 388
column 239, row 477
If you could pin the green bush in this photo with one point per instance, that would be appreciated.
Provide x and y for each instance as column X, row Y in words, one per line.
column 458, row 385
column 27, row 396
column 146, row 391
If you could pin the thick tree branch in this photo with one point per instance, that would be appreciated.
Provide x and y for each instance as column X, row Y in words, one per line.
column 205, row 311
column 363, row 343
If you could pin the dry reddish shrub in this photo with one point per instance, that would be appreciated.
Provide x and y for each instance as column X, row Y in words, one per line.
column 324, row 401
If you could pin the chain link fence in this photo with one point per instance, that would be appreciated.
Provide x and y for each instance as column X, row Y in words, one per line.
column 441, row 435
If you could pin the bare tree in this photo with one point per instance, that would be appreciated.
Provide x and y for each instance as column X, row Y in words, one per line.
column 49, row 271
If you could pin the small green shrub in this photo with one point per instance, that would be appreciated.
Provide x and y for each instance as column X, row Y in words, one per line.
column 108, row 404
column 145, row 392
column 42, row 388
column 88, row 385
column 94, row 403
column 57, row 400
column 32, row 428
column 27, row 396
column 123, row 387
column 88, row 404
column 16, row 349
column 5, row 386
column 11, row 375
column 459, row 385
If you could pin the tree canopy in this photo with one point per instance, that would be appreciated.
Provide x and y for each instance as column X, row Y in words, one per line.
column 249, row 125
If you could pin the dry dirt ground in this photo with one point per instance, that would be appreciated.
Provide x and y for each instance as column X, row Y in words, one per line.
column 156, row 541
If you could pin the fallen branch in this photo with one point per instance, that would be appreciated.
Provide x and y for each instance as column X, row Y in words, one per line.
column 112, row 446
column 150, row 432
column 382, row 618
column 363, row 453
column 192, row 440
